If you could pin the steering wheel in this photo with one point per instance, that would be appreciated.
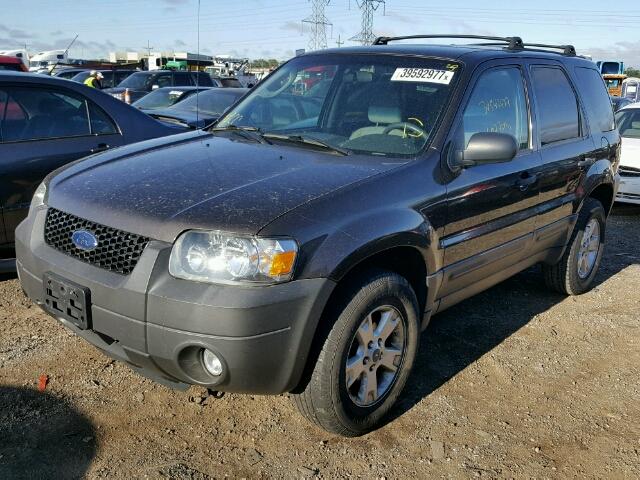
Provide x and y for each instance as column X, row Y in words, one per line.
column 416, row 131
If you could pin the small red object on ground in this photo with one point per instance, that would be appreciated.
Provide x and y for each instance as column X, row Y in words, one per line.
column 42, row 382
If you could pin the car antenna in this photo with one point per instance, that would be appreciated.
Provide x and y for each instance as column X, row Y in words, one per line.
column 198, row 71
column 66, row 52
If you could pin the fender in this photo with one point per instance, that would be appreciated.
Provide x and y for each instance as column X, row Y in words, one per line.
column 599, row 173
column 376, row 231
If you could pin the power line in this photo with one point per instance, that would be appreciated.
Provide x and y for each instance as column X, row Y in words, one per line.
column 148, row 48
column 368, row 7
column 319, row 23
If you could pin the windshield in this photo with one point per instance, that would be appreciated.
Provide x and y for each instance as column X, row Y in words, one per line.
column 628, row 122
column 161, row 98
column 136, row 81
column 211, row 102
column 376, row 104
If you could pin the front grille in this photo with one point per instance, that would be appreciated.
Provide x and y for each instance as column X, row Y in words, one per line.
column 117, row 251
column 629, row 172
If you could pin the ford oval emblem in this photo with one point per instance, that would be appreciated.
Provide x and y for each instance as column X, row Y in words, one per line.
column 84, row 240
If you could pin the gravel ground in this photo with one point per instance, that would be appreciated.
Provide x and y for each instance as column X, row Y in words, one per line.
column 516, row 382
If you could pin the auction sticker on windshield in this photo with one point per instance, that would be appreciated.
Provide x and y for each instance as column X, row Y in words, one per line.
column 429, row 75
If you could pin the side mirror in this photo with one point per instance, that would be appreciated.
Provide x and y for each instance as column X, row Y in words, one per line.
column 483, row 148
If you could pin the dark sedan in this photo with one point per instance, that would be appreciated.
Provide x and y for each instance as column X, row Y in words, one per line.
column 165, row 97
column 139, row 84
column 46, row 122
column 200, row 110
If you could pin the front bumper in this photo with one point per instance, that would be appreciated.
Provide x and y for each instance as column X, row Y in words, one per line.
column 629, row 190
column 157, row 324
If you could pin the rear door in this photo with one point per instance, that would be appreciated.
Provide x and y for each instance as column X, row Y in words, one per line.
column 566, row 148
column 491, row 208
column 44, row 128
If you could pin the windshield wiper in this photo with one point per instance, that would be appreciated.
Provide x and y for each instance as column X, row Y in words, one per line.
column 307, row 140
column 251, row 133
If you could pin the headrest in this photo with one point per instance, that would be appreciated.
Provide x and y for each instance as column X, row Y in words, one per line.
column 363, row 76
column 386, row 115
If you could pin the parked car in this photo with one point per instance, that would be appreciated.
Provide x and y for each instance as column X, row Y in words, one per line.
column 619, row 103
column 67, row 73
column 46, row 122
column 12, row 63
column 110, row 78
column 628, row 120
column 302, row 246
column 226, row 82
column 139, row 84
column 201, row 110
column 165, row 97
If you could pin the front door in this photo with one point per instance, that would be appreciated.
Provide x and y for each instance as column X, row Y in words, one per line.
column 491, row 208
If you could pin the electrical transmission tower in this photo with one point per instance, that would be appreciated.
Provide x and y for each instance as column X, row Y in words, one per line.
column 368, row 7
column 319, row 23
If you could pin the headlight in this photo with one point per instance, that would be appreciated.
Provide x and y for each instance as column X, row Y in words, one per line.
column 39, row 197
column 217, row 257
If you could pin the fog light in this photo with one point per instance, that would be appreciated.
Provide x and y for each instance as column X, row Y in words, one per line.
column 212, row 363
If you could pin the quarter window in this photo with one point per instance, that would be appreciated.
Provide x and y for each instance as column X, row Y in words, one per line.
column 498, row 104
column 596, row 99
column 558, row 117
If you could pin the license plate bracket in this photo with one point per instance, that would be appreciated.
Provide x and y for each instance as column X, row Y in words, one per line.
column 68, row 300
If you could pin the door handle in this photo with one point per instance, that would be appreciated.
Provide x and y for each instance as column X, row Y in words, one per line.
column 526, row 180
column 100, row 148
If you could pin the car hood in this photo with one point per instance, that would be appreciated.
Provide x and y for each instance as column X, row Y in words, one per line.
column 630, row 154
column 161, row 187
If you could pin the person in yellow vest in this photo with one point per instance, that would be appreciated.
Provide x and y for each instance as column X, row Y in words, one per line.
column 93, row 80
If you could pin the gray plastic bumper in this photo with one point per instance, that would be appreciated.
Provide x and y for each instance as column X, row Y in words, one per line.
column 159, row 324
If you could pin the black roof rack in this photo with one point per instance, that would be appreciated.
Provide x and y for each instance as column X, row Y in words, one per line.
column 510, row 43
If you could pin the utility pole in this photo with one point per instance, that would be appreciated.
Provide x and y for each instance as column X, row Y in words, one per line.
column 368, row 7
column 148, row 48
column 339, row 43
column 319, row 23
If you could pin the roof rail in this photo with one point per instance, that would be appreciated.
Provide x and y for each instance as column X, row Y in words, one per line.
column 511, row 43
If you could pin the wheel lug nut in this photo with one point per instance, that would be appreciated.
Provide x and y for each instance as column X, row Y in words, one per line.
column 366, row 360
column 370, row 345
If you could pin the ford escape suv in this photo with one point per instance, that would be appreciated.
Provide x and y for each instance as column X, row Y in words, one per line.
column 303, row 242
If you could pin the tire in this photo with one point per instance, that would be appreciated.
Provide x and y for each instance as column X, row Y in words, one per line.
column 566, row 276
column 387, row 299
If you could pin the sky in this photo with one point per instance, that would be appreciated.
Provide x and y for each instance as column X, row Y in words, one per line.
column 274, row 28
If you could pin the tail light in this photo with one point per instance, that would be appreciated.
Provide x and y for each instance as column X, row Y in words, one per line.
column 127, row 96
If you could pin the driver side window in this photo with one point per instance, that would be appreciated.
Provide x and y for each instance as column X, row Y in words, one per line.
column 498, row 104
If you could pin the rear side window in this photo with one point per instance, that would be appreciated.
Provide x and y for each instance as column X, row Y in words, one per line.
column 101, row 124
column 162, row 80
column 596, row 100
column 558, row 117
column 182, row 79
column 49, row 114
column 498, row 104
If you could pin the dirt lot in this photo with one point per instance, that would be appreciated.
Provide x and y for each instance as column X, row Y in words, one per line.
column 516, row 382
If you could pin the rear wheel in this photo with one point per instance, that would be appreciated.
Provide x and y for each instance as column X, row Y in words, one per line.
column 366, row 358
column 577, row 268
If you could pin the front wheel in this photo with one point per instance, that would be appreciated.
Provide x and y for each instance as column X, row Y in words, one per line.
column 574, row 273
column 366, row 358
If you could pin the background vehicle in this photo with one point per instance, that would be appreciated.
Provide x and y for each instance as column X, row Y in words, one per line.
column 619, row 102
column 42, row 61
column 110, row 79
column 631, row 89
column 22, row 54
column 165, row 97
column 67, row 72
column 201, row 111
column 138, row 84
column 47, row 122
column 628, row 120
column 226, row 82
column 12, row 63
column 321, row 234
column 614, row 83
